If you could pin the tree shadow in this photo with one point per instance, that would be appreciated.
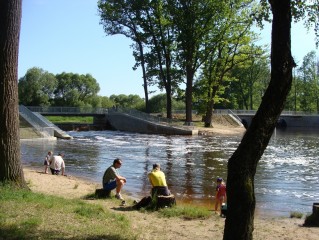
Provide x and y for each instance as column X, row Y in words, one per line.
column 15, row 232
column 124, row 208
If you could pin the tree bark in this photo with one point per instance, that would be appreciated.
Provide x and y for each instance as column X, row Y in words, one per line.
column 10, row 164
column 189, row 95
column 145, row 84
column 243, row 163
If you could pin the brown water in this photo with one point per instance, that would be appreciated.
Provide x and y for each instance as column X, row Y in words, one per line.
column 286, row 179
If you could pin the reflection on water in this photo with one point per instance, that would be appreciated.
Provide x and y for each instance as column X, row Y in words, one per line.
column 286, row 179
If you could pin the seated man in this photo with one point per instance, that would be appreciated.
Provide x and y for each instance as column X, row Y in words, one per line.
column 57, row 164
column 158, row 181
column 112, row 179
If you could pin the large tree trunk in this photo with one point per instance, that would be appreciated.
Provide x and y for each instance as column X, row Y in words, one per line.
column 243, row 163
column 10, row 21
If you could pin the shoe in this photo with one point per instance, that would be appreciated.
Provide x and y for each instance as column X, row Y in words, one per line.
column 119, row 196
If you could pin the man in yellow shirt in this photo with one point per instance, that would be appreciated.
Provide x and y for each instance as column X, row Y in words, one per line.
column 158, row 181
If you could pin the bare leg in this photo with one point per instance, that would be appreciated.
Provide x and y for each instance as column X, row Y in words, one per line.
column 119, row 185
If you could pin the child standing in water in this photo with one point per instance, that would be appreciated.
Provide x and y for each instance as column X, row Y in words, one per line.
column 47, row 161
column 221, row 196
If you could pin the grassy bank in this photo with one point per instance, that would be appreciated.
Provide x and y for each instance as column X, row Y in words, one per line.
column 70, row 119
column 28, row 215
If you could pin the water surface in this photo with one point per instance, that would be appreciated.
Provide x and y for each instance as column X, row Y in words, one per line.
column 286, row 178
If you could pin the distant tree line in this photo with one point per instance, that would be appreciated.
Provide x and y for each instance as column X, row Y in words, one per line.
column 243, row 88
column 41, row 88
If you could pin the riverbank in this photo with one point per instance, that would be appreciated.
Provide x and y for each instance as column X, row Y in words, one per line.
column 151, row 226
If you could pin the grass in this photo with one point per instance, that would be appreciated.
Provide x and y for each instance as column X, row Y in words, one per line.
column 28, row 215
column 186, row 212
column 70, row 119
column 296, row 215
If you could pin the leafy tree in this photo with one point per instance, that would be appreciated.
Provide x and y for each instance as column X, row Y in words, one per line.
column 243, row 163
column 122, row 17
column 193, row 21
column 308, row 73
column 252, row 80
column 160, row 60
column 158, row 104
column 232, row 49
column 106, row 102
column 75, row 90
column 10, row 162
column 37, row 87
column 127, row 101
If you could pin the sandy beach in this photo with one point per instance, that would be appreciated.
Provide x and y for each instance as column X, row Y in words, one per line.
column 154, row 227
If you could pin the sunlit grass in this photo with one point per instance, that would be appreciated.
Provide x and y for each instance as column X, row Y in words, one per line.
column 28, row 215
column 70, row 119
column 183, row 211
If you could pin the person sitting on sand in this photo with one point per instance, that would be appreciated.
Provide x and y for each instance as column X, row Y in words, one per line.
column 57, row 164
column 221, row 196
column 158, row 181
column 47, row 161
column 112, row 179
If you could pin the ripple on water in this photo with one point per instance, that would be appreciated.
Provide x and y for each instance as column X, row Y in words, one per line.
column 286, row 177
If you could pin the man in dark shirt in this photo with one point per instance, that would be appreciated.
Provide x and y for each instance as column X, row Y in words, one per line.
column 112, row 179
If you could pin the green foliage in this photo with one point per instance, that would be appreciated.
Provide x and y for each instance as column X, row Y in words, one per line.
column 124, row 101
column 41, row 88
column 157, row 104
column 106, row 102
column 304, row 94
column 76, row 90
column 37, row 87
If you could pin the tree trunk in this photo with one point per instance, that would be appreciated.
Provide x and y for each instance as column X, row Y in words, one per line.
column 209, row 114
column 243, row 163
column 189, row 96
column 145, row 85
column 169, row 101
column 210, row 107
column 10, row 165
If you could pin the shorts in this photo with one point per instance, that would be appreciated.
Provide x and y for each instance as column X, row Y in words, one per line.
column 54, row 172
column 110, row 185
column 46, row 163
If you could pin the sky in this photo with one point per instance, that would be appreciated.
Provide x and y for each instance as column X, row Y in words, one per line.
column 66, row 36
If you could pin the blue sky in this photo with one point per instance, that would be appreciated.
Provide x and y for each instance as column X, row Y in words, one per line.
column 65, row 36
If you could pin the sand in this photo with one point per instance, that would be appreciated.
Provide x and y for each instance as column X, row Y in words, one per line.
column 150, row 226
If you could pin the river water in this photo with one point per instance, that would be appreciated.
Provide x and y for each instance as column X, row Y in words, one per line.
column 287, row 177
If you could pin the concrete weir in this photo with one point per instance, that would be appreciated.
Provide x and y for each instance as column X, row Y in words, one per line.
column 124, row 122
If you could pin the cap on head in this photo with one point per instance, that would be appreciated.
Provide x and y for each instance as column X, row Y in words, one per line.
column 219, row 179
column 156, row 166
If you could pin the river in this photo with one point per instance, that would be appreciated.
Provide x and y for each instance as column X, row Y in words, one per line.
column 286, row 180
